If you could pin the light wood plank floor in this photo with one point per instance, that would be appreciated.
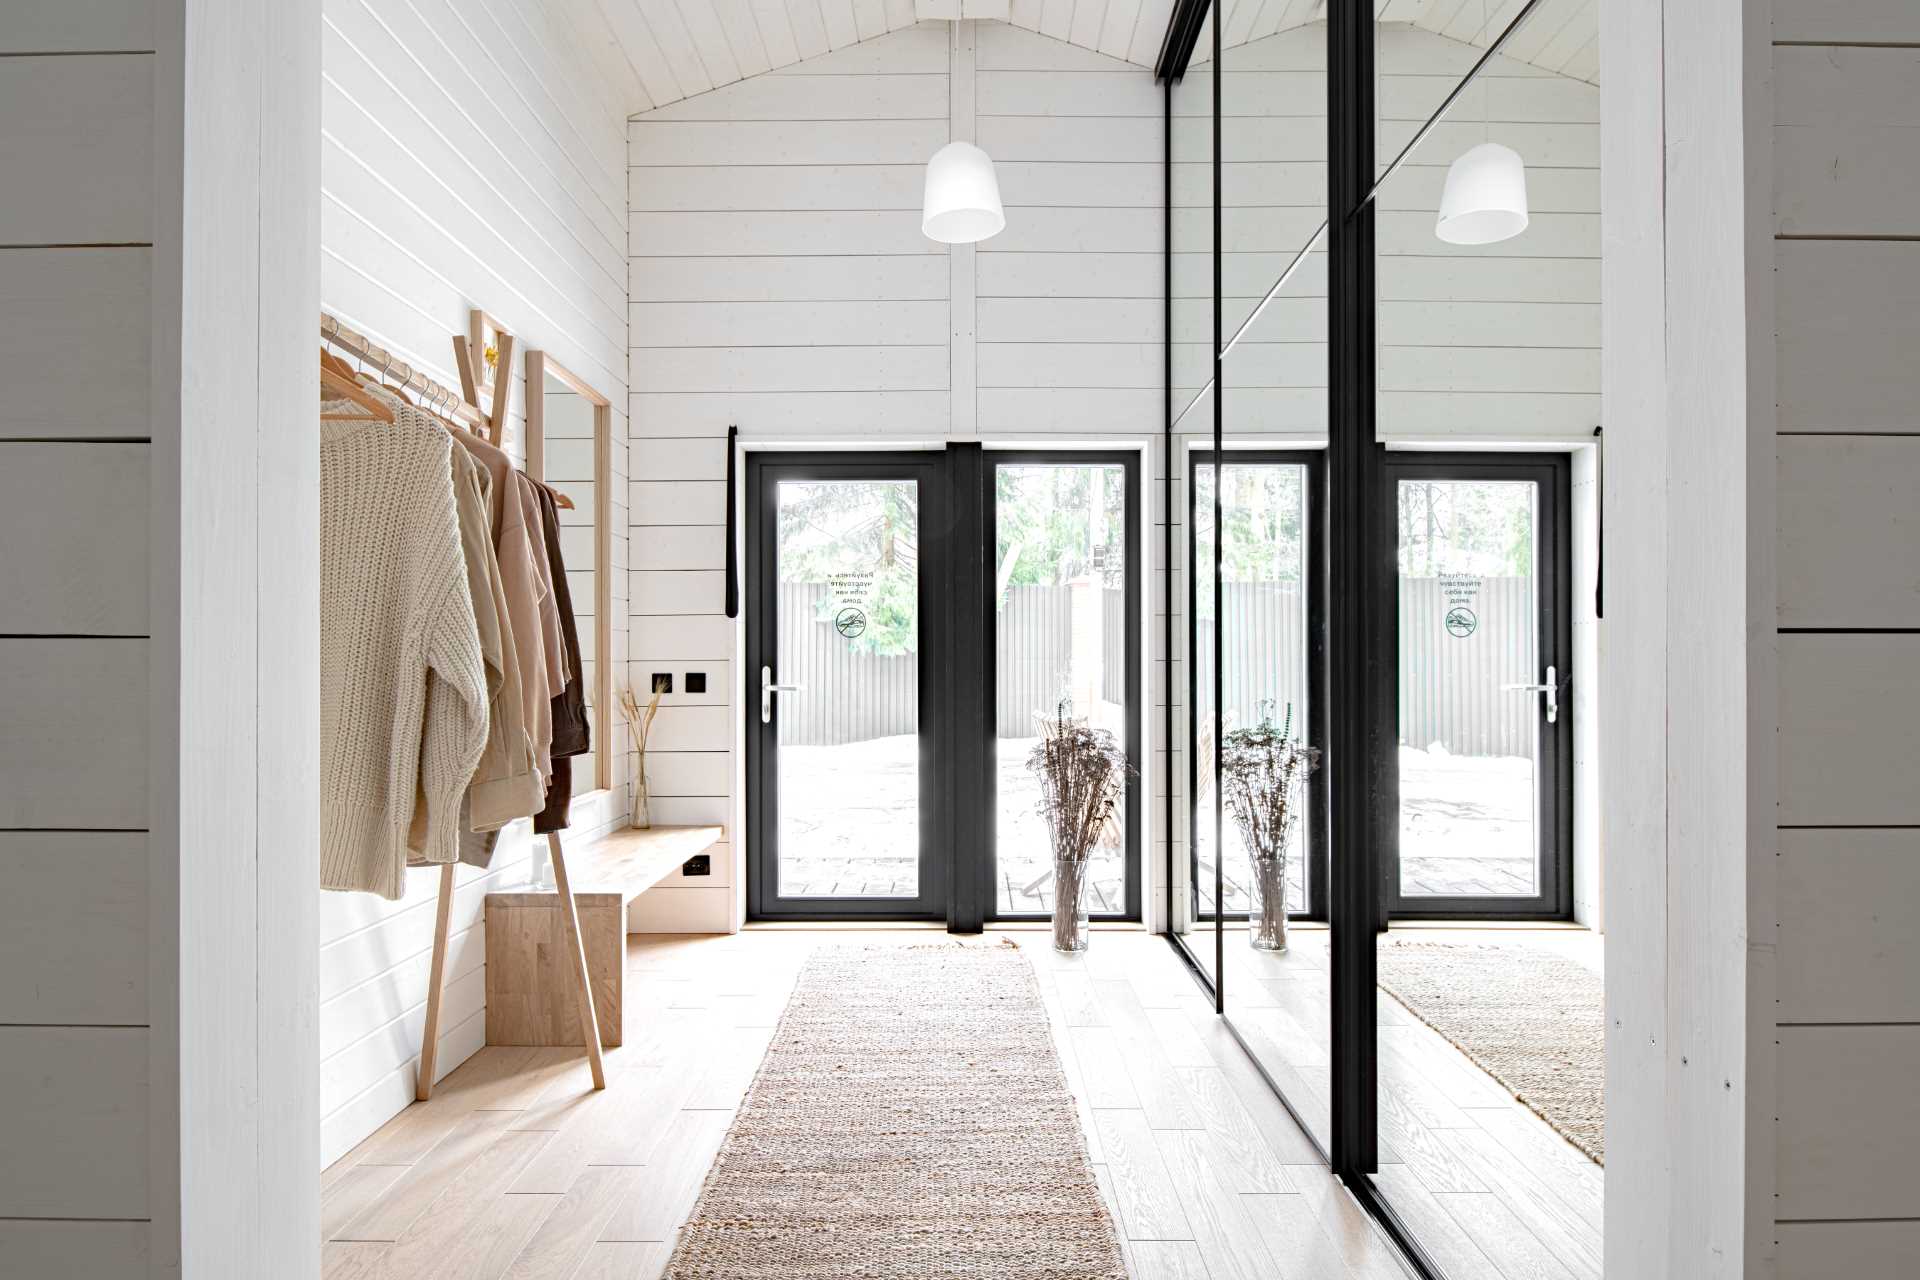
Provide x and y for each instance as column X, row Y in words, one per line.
column 1490, row 1189
column 515, row 1169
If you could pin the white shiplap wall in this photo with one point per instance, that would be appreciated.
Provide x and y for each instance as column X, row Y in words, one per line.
column 780, row 281
column 1845, row 149
column 471, row 156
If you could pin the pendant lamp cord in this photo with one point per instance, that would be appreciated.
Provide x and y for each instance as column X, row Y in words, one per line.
column 1486, row 108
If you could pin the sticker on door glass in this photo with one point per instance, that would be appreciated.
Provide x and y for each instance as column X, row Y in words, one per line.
column 850, row 592
column 1460, row 591
column 850, row 622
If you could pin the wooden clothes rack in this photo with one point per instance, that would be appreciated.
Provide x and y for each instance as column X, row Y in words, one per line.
column 464, row 407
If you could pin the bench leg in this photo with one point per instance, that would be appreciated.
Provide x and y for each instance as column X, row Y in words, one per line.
column 576, row 951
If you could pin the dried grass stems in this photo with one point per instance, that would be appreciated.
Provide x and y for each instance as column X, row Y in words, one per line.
column 1260, row 769
column 1083, row 774
column 638, row 722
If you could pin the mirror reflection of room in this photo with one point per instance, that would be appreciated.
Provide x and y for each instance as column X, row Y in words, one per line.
column 567, row 466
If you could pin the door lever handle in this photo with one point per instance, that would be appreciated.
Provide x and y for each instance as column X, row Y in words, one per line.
column 767, row 689
column 1551, row 688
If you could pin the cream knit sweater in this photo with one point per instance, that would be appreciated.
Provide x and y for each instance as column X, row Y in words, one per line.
column 403, row 685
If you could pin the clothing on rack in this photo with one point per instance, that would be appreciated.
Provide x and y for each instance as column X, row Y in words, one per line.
column 403, row 681
column 523, row 585
column 571, row 733
column 558, row 671
column 507, row 784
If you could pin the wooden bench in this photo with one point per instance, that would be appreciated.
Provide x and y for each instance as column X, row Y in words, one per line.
column 532, row 988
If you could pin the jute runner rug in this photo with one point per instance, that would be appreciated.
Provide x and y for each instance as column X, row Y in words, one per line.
column 910, row 1121
column 1534, row 1020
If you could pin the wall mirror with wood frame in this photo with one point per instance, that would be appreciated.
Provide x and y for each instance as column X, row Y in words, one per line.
column 568, row 432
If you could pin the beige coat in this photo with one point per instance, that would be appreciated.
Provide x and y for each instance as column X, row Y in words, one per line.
column 521, row 584
column 507, row 783
column 551, row 641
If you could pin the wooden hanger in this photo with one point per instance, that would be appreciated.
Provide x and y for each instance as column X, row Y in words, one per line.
column 344, row 386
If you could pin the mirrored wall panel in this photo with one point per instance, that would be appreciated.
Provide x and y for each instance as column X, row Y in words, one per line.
column 1489, row 1045
column 1194, row 324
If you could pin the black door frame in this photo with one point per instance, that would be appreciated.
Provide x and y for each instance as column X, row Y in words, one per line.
column 1553, row 572
column 958, row 802
column 987, row 747
column 1315, row 462
column 764, row 472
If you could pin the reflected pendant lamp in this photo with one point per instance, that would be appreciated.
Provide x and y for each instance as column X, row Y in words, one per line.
column 962, row 202
column 1485, row 200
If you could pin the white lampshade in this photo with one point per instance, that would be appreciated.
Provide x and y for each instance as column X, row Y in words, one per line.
column 962, row 202
column 1485, row 200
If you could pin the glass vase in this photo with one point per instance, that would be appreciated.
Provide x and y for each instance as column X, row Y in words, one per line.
column 1267, row 920
column 1070, row 930
column 642, row 811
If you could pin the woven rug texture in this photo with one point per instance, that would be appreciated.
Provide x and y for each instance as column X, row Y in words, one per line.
column 909, row 1121
column 1533, row 1020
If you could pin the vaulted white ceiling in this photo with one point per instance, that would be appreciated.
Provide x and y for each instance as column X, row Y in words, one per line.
column 654, row 52
column 1561, row 36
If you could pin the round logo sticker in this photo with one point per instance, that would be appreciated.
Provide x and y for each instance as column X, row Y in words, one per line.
column 1461, row 622
column 850, row 623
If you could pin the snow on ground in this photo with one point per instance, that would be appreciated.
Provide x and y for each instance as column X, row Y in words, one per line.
column 850, row 827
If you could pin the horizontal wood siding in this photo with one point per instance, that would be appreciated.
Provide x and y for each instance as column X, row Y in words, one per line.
column 1847, row 289
column 1076, row 140
column 471, row 156
column 52, row 298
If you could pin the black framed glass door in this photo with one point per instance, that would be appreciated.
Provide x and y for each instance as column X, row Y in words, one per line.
column 1484, row 759
column 910, row 618
column 844, row 554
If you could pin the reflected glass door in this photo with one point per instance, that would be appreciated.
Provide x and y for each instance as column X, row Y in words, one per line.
column 838, row 669
column 1484, row 707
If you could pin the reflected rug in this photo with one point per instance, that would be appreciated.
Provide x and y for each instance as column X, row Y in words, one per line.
column 910, row 1121
column 1533, row 1020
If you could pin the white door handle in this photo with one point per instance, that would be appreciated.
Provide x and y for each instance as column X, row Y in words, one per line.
column 767, row 689
column 1551, row 688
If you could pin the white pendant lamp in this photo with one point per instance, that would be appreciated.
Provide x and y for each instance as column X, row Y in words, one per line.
column 1485, row 200
column 962, row 202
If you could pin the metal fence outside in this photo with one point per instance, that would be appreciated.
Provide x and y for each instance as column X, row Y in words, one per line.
column 1450, row 682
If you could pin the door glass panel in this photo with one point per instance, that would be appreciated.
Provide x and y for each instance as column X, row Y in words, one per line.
column 1264, row 584
column 1060, row 636
column 849, row 738
column 1469, row 728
